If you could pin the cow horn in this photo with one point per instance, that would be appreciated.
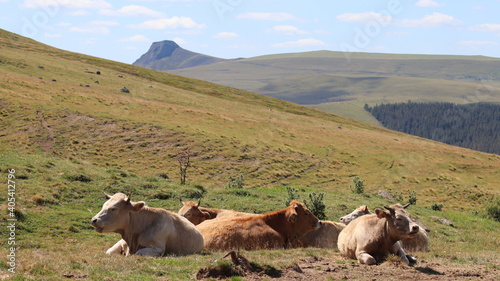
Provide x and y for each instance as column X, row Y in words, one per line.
column 180, row 199
column 128, row 197
column 107, row 195
column 199, row 201
column 406, row 206
column 389, row 208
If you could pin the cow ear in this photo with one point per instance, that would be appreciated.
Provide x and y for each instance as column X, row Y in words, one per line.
column 137, row 206
column 380, row 213
column 206, row 215
column 291, row 214
column 363, row 209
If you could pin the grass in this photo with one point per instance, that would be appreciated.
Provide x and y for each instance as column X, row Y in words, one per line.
column 93, row 139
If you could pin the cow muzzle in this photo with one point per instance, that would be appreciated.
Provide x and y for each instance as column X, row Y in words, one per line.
column 94, row 224
column 318, row 224
column 414, row 230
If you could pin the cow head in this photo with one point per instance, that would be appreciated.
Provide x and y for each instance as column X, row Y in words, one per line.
column 114, row 215
column 301, row 218
column 360, row 211
column 190, row 210
column 401, row 225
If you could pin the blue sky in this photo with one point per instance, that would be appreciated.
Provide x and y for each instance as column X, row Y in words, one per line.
column 124, row 30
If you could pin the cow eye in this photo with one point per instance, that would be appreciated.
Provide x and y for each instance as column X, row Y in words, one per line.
column 112, row 209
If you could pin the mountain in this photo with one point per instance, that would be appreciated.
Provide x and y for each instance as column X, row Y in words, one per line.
column 167, row 55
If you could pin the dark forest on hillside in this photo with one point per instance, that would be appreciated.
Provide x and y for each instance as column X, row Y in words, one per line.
column 475, row 126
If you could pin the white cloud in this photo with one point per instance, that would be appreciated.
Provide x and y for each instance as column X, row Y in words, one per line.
column 307, row 42
column 132, row 10
column 363, row 17
column 287, row 29
column 477, row 43
column 104, row 23
column 266, row 16
column 179, row 41
column 433, row 20
column 135, row 38
column 91, row 29
column 71, row 4
column 169, row 23
column 225, row 35
column 487, row 27
column 428, row 3
column 48, row 35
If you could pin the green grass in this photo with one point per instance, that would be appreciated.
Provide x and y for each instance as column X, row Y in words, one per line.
column 69, row 143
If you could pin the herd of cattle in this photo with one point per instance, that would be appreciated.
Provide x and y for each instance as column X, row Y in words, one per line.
column 367, row 237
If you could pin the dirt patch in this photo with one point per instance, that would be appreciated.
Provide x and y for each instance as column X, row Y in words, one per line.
column 337, row 268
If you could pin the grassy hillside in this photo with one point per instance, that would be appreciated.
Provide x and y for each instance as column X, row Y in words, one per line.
column 69, row 139
column 332, row 80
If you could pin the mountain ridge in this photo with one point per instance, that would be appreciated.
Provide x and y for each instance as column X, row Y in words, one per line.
column 168, row 55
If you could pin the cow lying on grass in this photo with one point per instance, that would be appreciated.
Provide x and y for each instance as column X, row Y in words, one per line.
column 273, row 230
column 146, row 230
column 419, row 243
column 370, row 238
column 196, row 214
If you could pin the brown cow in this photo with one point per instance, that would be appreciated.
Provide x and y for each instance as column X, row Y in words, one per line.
column 267, row 231
column 324, row 237
column 419, row 243
column 146, row 230
column 371, row 237
column 196, row 214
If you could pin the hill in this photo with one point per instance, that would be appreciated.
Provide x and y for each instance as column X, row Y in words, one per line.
column 69, row 132
column 333, row 81
column 167, row 55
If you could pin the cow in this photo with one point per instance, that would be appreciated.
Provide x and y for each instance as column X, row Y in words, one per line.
column 419, row 243
column 370, row 238
column 360, row 211
column 145, row 230
column 324, row 237
column 196, row 214
column 272, row 230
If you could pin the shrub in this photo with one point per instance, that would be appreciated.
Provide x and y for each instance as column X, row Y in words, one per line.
column 493, row 209
column 359, row 185
column 292, row 195
column 237, row 182
column 436, row 207
column 412, row 198
column 317, row 207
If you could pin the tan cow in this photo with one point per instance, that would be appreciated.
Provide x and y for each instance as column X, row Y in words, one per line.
column 196, row 214
column 324, row 237
column 370, row 238
column 145, row 230
column 266, row 231
column 419, row 243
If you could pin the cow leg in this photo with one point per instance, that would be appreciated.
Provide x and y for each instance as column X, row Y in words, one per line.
column 398, row 250
column 120, row 248
column 155, row 252
column 365, row 258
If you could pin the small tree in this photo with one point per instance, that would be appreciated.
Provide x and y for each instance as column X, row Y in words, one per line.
column 184, row 161
column 317, row 207
column 359, row 185
column 412, row 197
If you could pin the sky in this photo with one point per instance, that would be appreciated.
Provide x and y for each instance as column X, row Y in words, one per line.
column 123, row 30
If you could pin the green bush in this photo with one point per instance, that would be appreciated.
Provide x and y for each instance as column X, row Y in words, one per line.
column 292, row 195
column 359, row 185
column 316, row 206
column 436, row 207
column 493, row 209
column 412, row 197
column 237, row 182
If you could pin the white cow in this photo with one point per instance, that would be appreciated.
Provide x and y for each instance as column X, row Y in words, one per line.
column 370, row 238
column 146, row 230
